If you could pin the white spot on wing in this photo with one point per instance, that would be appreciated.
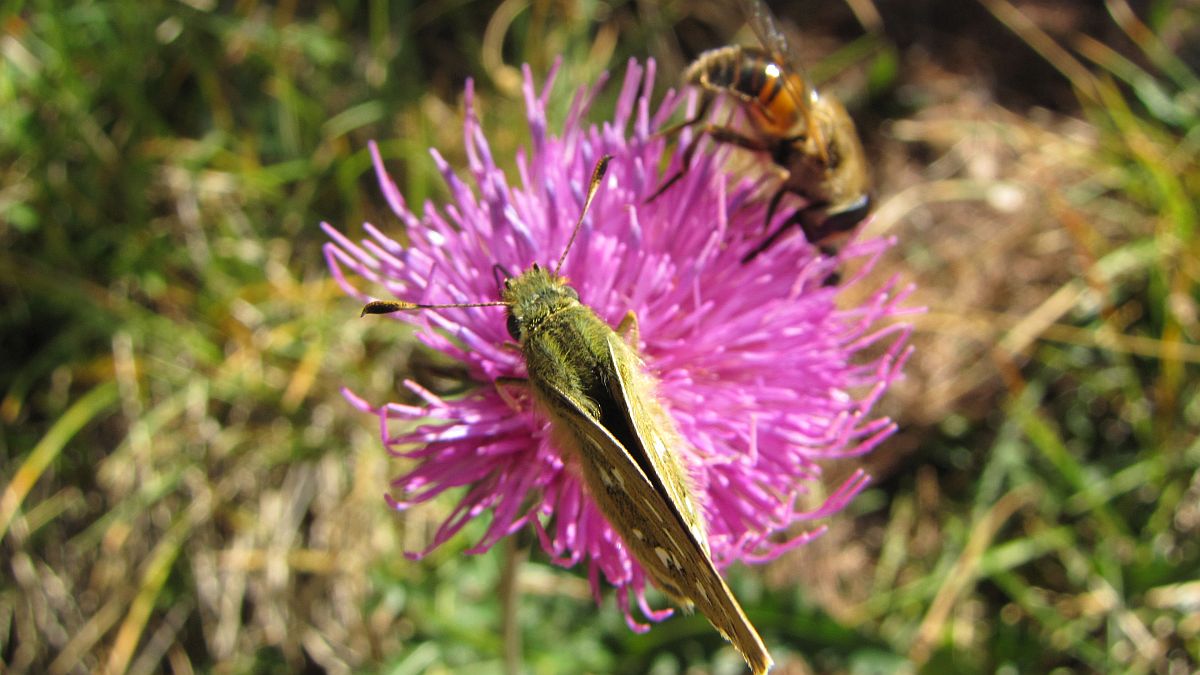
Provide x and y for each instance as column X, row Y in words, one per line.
column 664, row 556
column 657, row 512
column 703, row 593
column 638, row 533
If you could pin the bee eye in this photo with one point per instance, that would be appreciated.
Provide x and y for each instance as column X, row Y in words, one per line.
column 846, row 220
column 514, row 326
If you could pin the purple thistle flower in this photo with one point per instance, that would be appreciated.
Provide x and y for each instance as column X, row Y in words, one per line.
column 763, row 373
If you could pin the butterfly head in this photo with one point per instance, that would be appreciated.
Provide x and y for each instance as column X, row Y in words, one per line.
column 533, row 296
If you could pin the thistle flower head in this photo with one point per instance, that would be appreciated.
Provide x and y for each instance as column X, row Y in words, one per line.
column 765, row 375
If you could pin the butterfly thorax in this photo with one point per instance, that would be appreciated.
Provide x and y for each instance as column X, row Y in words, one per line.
column 554, row 329
column 534, row 297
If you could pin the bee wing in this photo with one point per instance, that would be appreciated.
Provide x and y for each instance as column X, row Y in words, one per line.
column 644, row 494
column 762, row 22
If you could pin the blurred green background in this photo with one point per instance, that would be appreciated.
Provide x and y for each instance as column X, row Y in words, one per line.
column 184, row 489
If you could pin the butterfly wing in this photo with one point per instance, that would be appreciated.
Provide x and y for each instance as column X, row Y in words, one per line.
column 659, row 439
column 644, row 495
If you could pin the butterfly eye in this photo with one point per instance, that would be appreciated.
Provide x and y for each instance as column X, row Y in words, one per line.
column 571, row 292
column 514, row 326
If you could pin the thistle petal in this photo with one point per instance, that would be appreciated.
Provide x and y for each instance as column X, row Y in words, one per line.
column 765, row 374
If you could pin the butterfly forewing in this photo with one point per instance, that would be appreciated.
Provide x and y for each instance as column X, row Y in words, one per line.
column 655, row 440
column 659, row 443
column 634, row 475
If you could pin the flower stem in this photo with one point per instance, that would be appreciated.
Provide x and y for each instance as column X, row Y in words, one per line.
column 514, row 555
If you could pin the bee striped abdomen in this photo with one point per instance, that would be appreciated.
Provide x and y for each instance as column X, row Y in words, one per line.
column 753, row 77
column 759, row 78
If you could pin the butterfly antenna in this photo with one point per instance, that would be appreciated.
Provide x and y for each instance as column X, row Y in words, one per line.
column 593, row 186
column 389, row 306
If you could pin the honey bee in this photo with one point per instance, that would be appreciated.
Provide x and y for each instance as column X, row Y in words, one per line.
column 810, row 138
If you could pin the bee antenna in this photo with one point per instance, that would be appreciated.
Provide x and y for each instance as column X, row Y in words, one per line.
column 593, row 186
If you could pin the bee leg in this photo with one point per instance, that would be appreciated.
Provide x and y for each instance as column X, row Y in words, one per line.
column 688, row 153
column 628, row 329
column 506, row 386
column 800, row 217
column 835, row 277
column 719, row 134
column 701, row 111
column 775, row 199
column 727, row 135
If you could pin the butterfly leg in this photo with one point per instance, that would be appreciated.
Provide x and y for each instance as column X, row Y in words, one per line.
column 628, row 329
column 512, row 390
